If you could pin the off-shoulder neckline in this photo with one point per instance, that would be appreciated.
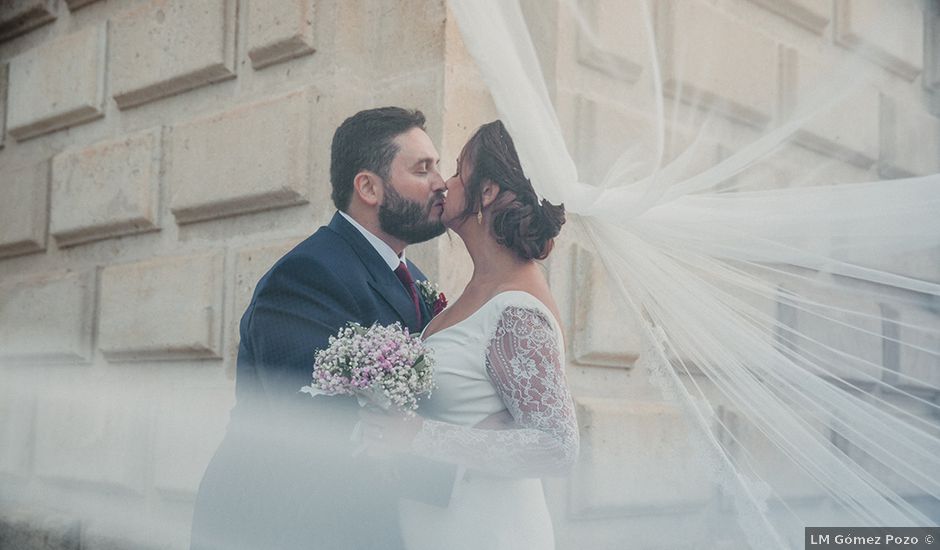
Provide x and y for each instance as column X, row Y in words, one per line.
column 545, row 309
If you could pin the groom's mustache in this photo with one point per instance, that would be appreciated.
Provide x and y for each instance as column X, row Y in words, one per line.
column 439, row 198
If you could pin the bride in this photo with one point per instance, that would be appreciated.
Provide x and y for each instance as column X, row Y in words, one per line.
column 502, row 410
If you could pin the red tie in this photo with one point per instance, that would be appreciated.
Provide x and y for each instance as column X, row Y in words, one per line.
column 405, row 277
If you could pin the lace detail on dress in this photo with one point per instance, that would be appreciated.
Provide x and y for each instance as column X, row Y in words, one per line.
column 524, row 363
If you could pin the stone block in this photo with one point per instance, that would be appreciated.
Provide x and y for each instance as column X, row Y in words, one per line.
column 279, row 31
column 848, row 130
column 716, row 62
column 92, row 435
column 910, row 140
column 17, row 413
column 164, row 47
column 747, row 443
column 163, row 308
column 650, row 439
column 605, row 331
column 917, row 328
column 107, row 189
column 70, row 72
column 182, row 446
column 847, row 332
column 814, row 15
column 75, row 4
column 23, row 209
column 4, row 78
column 616, row 44
column 47, row 319
column 215, row 169
column 34, row 530
column 397, row 41
column 894, row 478
column 607, row 132
column 21, row 16
column 889, row 33
column 932, row 51
column 798, row 165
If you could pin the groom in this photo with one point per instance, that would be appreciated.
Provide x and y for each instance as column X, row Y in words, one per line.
column 285, row 476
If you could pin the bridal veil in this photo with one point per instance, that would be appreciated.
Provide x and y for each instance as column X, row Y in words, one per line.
column 732, row 188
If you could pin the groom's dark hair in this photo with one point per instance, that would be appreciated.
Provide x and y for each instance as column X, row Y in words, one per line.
column 364, row 141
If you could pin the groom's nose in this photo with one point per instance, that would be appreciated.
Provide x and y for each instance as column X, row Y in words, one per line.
column 437, row 183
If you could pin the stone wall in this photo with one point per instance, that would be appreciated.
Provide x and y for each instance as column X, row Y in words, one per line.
column 157, row 156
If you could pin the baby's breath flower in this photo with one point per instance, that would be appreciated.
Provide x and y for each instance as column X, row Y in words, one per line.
column 380, row 360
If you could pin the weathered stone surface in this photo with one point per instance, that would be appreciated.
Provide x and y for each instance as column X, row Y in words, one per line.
column 603, row 130
column 21, row 16
column 603, row 334
column 616, row 45
column 891, row 34
column 279, row 31
column 182, row 447
column 910, row 140
column 47, row 319
column 771, row 464
column 396, row 41
column 164, row 47
column 214, row 167
column 849, row 130
column 4, row 73
column 23, row 214
column 39, row 531
column 649, row 437
column 70, row 73
column 75, row 4
column 17, row 412
column 164, row 308
column 107, row 189
column 93, row 435
column 845, row 325
column 895, row 478
column 812, row 14
column 917, row 329
column 932, row 51
column 735, row 74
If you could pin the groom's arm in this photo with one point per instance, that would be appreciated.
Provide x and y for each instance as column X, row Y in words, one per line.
column 301, row 305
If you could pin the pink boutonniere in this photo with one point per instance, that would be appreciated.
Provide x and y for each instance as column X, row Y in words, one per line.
column 432, row 296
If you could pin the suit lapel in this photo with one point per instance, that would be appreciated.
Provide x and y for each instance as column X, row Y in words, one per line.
column 382, row 279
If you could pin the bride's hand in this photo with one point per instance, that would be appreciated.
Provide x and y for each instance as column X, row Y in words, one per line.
column 388, row 431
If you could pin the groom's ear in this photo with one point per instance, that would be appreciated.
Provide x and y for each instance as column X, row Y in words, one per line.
column 366, row 187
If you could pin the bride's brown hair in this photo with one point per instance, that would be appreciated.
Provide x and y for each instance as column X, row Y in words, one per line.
column 520, row 221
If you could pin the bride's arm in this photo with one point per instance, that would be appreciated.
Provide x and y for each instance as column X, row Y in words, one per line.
column 524, row 362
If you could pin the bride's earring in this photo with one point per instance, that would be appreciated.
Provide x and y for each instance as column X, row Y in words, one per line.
column 480, row 216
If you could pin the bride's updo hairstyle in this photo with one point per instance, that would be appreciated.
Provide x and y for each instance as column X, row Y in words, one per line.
column 520, row 221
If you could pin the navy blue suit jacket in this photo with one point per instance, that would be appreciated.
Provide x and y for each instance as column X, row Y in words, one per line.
column 284, row 476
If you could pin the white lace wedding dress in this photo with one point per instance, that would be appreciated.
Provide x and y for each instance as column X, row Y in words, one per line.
column 508, row 355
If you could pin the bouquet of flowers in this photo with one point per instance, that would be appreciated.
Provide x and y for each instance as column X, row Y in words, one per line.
column 384, row 366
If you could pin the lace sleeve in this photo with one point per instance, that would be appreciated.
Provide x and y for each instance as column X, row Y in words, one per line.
column 524, row 363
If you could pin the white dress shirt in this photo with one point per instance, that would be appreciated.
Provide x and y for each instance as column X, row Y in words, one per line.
column 380, row 246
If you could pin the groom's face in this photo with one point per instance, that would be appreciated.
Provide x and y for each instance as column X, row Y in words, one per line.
column 413, row 194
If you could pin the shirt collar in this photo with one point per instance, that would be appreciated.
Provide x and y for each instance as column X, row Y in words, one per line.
column 380, row 246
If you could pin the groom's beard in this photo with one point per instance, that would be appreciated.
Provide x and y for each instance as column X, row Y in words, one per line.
column 408, row 220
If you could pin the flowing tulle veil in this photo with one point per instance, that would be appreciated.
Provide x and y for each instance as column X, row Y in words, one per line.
column 778, row 296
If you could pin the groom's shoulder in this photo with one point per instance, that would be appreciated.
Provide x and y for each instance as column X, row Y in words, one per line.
column 322, row 251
